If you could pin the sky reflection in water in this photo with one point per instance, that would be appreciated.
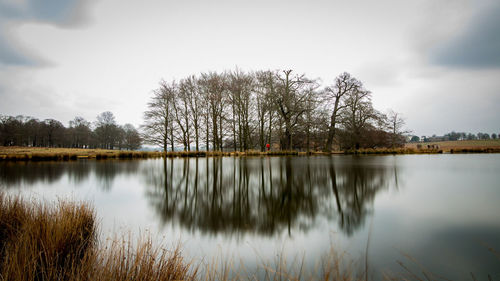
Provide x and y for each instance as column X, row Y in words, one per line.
column 441, row 209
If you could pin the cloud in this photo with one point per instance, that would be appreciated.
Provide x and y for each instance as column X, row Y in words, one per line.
column 9, row 55
column 478, row 46
column 62, row 13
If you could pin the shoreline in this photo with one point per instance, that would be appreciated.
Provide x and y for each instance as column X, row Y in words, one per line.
column 71, row 154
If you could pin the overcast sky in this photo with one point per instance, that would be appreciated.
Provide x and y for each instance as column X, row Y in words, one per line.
column 435, row 61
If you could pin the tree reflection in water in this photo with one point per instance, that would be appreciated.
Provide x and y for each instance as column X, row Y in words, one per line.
column 26, row 174
column 265, row 196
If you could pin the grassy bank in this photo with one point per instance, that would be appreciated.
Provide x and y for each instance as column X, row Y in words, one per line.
column 465, row 146
column 16, row 153
column 385, row 151
column 59, row 242
column 462, row 146
column 67, row 154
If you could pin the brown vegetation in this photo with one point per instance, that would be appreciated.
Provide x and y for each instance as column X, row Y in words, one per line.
column 43, row 242
column 9, row 153
column 12, row 153
column 39, row 242
column 461, row 146
column 395, row 151
column 16, row 153
column 476, row 150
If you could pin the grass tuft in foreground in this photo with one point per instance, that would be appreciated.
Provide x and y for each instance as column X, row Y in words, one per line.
column 121, row 260
column 42, row 242
column 39, row 242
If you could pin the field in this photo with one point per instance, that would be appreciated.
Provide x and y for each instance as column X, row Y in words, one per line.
column 16, row 153
column 44, row 153
column 461, row 146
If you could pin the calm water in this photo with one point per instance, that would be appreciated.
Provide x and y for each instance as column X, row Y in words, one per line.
column 443, row 210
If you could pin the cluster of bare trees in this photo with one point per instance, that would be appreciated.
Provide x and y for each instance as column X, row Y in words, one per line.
column 238, row 110
column 104, row 133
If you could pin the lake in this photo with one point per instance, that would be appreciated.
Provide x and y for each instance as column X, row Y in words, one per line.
column 443, row 211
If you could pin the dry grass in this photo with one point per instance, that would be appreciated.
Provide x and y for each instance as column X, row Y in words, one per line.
column 264, row 153
column 54, row 154
column 16, row 153
column 330, row 266
column 194, row 153
column 57, row 154
column 476, row 150
column 40, row 242
column 228, row 153
column 486, row 146
column 474, row 146
column 385, row 151
column 120, row 260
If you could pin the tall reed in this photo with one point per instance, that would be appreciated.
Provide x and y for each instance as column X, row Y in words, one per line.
column 42, row 242
column 59, row 242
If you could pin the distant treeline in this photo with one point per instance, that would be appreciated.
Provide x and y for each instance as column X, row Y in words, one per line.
column 104, row 133
column 454, row 136
column 237, row 110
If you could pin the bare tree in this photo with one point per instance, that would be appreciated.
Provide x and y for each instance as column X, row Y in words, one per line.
column 265, row 109
column 106, row 130
column 213, row 87
column 310, row 106
column 241, row 86
column 194, row 102
column 158, row 118
column 181, row 113
column 335, row 98
column 262, row 105
column 395, row 124
column 358, row 115
column 80, row 132
column 132, row 139
column 247, row 110
column 290, row 101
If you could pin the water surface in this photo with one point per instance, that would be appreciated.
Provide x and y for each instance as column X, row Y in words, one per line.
column 442, row 210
